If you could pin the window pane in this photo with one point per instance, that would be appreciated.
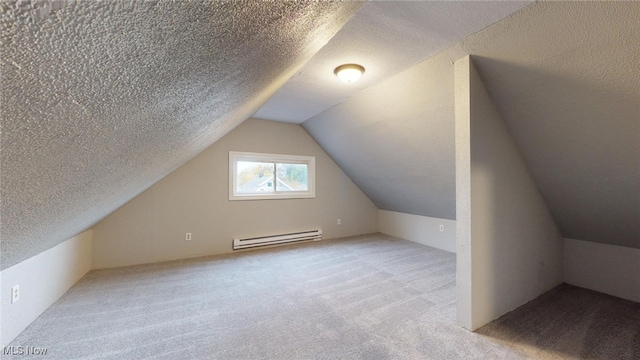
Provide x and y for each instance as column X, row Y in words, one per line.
column 258, row 176
column 254, row 177
column 291, row 177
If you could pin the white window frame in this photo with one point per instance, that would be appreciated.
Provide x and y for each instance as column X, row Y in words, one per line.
column 310, row 161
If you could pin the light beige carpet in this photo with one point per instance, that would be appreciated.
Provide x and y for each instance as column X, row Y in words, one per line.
column 368, row 297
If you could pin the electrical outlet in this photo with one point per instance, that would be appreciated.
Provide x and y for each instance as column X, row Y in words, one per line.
column 441, row 228
column 15, row 294
column 339, row 221
column 188, row 237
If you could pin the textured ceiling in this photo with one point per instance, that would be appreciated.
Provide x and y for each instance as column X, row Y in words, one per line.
column 395, row 140
column 386, row 38
column 566, row 79
column 102, row 99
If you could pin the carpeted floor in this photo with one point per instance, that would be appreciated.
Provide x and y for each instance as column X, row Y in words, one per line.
column 368, row 297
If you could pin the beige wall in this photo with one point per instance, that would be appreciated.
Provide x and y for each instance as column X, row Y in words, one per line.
column 43, row 279
column 194, row 198
column 610, row 269
column 509, row 249
column 423, row 230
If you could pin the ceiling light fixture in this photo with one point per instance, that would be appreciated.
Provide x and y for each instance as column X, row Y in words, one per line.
column 349, row 72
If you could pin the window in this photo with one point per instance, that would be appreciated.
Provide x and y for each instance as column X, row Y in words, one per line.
column 254, row 176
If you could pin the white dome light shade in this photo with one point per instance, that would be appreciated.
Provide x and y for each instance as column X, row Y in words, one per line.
column 349, row 72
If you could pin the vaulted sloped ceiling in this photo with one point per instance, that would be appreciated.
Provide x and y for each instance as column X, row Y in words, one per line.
column 570, row 95
column 102, row 99
column 565, row 77
column 385, row 37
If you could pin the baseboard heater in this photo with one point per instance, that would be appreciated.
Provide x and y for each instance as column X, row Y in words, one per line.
column 256, row 241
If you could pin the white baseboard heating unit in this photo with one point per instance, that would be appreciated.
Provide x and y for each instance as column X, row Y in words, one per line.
column 249, row 242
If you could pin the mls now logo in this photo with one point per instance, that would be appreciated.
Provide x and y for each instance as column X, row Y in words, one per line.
column 24, row 350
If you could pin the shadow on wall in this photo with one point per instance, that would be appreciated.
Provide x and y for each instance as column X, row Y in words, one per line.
column 580, row 138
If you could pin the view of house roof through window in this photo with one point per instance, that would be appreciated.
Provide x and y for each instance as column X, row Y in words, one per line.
column 260, row 176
